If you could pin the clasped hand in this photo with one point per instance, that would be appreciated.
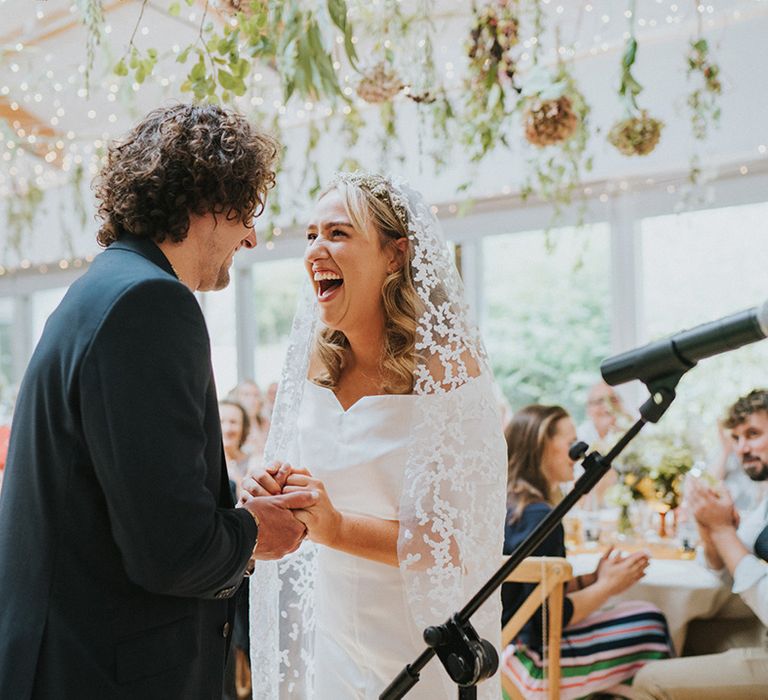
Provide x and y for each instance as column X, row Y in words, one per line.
column 321, row 520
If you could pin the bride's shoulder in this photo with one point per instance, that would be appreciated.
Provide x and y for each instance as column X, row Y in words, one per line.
column 453, row 372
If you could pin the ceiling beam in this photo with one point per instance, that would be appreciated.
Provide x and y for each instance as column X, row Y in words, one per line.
column 17, row 35
column 20, row 119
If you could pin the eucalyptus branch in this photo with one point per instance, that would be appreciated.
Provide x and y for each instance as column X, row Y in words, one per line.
column 93, row 19
column 138, row 23
column 142, row 66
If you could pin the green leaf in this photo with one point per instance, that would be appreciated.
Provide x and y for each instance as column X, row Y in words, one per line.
column 121, row 69
column 242, row 67
column 182, row 57
column 198, row 71
column 226, row 80
column 152, row 53
column 337, row 9
column 630, row 53
column 349, row 47
column 174, row 10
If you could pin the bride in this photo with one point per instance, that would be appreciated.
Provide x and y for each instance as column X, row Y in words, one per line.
column 386, row 408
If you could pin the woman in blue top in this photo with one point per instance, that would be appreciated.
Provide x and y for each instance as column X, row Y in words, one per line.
column 601, row 646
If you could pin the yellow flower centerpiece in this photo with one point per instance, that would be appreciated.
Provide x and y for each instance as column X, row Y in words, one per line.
column 652, row 470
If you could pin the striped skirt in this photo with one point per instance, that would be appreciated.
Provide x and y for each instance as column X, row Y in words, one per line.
column 606, row 648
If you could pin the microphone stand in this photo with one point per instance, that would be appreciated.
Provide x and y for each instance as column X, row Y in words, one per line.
column 467, row 658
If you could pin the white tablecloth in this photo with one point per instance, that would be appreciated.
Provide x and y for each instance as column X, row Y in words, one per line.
column 682, row 589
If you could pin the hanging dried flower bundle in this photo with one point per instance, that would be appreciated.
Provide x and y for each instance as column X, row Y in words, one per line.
column 637, row 135
column 548, row 122
column 491, row 75
column 494, row 33
column 379, row 83
column 549, row 116
column 555, row 120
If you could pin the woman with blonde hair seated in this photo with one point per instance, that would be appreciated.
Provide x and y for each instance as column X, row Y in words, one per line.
column 601, row 646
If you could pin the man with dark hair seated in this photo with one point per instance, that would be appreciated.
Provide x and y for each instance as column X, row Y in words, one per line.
column 740, row 551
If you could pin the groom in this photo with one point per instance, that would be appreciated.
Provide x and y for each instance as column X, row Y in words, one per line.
column 120, row 551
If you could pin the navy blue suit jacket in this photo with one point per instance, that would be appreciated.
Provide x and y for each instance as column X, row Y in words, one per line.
column 120, row 550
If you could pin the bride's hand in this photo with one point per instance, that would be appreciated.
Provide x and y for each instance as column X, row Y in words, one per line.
column 269, row 481
column 322, row 520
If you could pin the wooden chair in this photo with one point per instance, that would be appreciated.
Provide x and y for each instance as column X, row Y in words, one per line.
column 551, row 573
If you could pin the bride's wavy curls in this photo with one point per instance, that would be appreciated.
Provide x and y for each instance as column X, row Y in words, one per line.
column 401, row 301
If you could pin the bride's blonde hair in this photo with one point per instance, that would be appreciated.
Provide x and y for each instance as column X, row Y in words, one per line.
column 367, row 210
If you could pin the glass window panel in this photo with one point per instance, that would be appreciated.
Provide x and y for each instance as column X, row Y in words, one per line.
column 546, row 316
column 219, row 309
column 43, row 304
column 276, row 289
column 697, row 267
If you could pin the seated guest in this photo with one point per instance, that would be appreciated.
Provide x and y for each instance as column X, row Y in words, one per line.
column 248, row 394
column 726, row 467
column 599, row 648
column 739, row 551
column 605, row 414
column 234, row 430
column 606, row 420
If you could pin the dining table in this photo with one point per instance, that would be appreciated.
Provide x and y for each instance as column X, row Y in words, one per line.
column 679, row 584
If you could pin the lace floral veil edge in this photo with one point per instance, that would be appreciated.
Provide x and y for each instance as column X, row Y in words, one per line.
column 453, row 500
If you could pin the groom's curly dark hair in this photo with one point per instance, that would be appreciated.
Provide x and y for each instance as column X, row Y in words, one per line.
column 180, row 161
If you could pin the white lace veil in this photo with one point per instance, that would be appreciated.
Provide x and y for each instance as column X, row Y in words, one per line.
column 452, row 505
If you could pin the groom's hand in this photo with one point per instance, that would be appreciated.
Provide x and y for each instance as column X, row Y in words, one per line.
column 280, row 533
column 270, row 480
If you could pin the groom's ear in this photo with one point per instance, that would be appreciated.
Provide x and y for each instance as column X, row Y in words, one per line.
column 399, row 251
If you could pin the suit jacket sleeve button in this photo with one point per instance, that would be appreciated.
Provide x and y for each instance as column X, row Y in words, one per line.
column 226, row 630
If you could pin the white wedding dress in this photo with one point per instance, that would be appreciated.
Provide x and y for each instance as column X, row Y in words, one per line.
column 364, row 635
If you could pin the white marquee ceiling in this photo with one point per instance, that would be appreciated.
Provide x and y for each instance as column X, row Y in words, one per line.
column 43, row 99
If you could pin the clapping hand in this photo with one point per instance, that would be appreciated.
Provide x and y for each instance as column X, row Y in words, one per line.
column 712, row 510
column 617, row 571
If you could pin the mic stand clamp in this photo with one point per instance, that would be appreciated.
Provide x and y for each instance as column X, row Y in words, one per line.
column 466, row 657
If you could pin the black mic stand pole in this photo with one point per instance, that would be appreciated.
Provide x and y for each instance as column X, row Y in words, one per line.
column 466, row 657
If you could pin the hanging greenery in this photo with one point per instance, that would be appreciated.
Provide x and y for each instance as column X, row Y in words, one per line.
column 311, row 52
column 92, row 13
column 555, row 121
column 638, row 133
column 491, row 92
column 703, row 101
column 20, row 211
column 286, row 35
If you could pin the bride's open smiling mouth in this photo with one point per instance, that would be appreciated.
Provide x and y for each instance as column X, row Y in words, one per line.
column 328, row 284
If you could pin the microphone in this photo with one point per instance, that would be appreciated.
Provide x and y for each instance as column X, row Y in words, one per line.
column 676, row 354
